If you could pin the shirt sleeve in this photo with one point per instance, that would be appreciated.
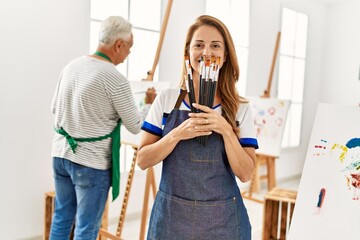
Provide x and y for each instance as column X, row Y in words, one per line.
column 123, row 101
column 154, row 121
column 247, row 128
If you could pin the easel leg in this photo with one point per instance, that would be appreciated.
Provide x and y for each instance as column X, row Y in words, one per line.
column 105, row 220
column 127, row 194
column 270, row 162
column 150, row 183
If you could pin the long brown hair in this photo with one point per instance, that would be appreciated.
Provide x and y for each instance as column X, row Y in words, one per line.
column 229, row 73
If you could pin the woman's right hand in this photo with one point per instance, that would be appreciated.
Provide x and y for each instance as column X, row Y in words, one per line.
column 190, row 128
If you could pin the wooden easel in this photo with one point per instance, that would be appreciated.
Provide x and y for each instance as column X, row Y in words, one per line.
column 150, row 175
column 262, row 159
column 103, row 232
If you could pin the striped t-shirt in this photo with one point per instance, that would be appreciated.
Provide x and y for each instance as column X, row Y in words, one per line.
column 90, row 97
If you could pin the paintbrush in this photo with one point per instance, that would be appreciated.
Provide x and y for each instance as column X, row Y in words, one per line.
column 215, row 77
column 204, row 91
column 206, row 83
column 190, row 83
column 201, row 80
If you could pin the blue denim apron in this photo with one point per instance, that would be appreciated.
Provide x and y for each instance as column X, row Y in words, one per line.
column 198, row 196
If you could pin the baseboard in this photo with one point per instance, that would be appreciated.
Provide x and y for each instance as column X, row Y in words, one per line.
column 32, row 238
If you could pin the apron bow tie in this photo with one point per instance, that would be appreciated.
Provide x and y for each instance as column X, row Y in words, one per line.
column 72, row 142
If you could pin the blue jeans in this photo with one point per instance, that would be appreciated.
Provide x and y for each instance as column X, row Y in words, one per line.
column 81, row 194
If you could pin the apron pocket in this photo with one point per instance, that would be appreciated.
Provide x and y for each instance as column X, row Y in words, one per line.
column 171, row 218
column 216, row 220
column 211, row 152
column 177, row 218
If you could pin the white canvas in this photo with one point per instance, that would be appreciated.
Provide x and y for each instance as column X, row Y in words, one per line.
column 333, row 163
column 270, row 118
column 139, row 88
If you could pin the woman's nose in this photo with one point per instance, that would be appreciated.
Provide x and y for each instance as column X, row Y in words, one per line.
column 206, row 53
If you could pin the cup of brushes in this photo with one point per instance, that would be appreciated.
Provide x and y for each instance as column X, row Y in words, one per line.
column 209, row 73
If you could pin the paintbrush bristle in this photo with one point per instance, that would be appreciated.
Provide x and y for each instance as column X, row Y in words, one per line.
column 218, row 60
column 207, row 62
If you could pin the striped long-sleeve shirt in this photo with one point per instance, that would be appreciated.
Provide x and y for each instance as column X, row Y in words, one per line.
column 90, row 97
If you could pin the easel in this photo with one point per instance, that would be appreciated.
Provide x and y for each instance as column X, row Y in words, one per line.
column 262, row 159
column 103, row 232
column 150, row 175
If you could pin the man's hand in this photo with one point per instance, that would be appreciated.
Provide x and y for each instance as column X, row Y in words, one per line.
column 150, row 95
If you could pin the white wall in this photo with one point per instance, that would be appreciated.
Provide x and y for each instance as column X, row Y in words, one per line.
column 172, row 55
column 341, row 83
column 39, row 37
column 265, row 23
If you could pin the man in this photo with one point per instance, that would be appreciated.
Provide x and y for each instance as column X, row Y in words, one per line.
column 91, row 101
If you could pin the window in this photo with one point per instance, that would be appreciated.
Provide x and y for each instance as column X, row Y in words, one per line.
column 140, row 61
column 235, row 15
column 292, row 71
column 145, row 26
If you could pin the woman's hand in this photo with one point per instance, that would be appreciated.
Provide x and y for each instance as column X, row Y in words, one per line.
column 191, row 128
column 241, row 160
column 210, row 120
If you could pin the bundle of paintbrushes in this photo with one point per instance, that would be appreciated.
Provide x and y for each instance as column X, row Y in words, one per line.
column 209, row 73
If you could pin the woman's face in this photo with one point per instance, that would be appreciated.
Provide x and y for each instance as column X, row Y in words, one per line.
column 207, row 42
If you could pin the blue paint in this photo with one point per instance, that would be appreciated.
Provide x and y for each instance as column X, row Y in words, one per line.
column 352, row 143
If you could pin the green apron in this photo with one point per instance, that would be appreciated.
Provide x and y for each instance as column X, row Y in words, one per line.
column 115, row 156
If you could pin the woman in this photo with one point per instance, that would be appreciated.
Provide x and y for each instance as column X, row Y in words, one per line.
column 198, row 196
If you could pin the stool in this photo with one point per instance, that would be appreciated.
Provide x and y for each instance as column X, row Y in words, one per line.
column 49, row 210
column 278, row 210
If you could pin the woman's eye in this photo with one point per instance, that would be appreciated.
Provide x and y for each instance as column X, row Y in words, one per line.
column 216, row 46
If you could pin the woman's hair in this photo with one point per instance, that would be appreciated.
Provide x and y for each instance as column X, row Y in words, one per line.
column 229, row 72
column 114, row 28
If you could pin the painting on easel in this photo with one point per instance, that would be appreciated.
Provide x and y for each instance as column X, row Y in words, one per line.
column 139, row 88
column 270, row 118
column 328, row 200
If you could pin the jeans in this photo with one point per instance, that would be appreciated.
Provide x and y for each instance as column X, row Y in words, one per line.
column 81, row 194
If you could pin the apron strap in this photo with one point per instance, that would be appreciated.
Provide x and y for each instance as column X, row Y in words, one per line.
column 115, row 155
column 180, row 98
column 73, row 141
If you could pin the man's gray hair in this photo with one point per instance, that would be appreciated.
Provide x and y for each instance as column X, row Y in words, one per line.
column 114, row 28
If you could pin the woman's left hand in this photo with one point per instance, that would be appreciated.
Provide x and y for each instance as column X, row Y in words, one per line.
column 210, row 120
